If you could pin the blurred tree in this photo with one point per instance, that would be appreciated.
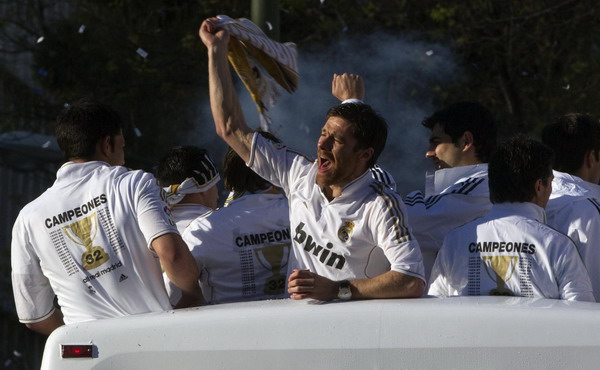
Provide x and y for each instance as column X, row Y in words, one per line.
column 142, row 57
column 528, row 61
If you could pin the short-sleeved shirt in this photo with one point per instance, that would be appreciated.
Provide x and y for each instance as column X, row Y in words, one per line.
column 453, row 197
column 184, row 213
column 510, row 252
column 574, row 209
column 360, row 234
column 243, row 250
column 86, row 240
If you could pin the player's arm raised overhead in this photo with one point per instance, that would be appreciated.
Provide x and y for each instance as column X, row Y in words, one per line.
column 348, row 86
column 225, row 106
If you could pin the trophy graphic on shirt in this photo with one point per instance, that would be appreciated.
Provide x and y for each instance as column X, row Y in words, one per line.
column 273, row 258
column 500, row 269
column 83, row 233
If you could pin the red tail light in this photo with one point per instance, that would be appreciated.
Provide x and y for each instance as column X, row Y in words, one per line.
column 77, row 350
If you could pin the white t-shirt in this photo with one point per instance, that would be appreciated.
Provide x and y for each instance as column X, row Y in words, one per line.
column 360, row 234
column 510, row 252
column 242, row 250
column 184, row 213
column 454, row 196
column 574, row 209
column 86, row 239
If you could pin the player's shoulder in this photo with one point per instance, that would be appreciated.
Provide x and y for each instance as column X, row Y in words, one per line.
column 137, row 179
column 48, row 198
column 546, row 232
column 380, row 191
column 473, row 185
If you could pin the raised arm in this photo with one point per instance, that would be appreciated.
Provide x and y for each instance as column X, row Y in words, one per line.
column 180, row 267
column 392, row 284
column 348, row 86
column 225, row 106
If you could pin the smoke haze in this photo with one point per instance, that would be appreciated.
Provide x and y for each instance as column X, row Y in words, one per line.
column 400, row 78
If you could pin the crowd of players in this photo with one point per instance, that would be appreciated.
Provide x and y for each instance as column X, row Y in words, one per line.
column 520, row 218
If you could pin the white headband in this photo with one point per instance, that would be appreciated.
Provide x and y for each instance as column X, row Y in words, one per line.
column 176, row 192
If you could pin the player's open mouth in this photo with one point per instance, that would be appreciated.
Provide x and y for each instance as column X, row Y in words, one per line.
column 324, row 164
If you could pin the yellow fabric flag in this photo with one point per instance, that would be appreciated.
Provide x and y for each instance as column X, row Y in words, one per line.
column 263, row 65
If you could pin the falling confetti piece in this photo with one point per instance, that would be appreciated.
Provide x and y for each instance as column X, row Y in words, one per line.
column 42, row 72
column 524, row 73
column 66, row 105
column 7, row 363
column 304, row 128
column 429, row 53
column 81, row 28
column 142, row 52
column 17, row 353
column 567, row 87
column 322, row 1
column 40, row 39
column 270, row 26
column 46, row 144
column 137, row 132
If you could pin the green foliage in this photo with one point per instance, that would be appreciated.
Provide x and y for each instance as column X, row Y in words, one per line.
column 528, row 61
column 100, row 49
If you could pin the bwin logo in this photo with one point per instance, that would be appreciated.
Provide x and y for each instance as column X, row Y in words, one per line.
column 310, row 245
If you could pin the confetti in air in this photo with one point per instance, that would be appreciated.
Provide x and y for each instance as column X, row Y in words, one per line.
column 81, row 28
column 66, row 105
column 17, row 353
column 46, row 144
column 429, row 53
column 40, row 39
column 137, row 132
column 270, row 26
column 305, row 128
column 142, row 53
column 567, row 87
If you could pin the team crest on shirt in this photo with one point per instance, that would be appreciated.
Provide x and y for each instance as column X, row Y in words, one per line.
column 345, row 231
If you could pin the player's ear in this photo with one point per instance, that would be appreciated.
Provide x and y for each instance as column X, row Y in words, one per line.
column 468, row 141
column 104, row 146
column 591, row 158
column 367, row 154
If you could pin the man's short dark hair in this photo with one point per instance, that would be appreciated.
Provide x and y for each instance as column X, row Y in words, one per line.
column 571, row 137
column 82, row 124
column 238, row 177
column 369, row 127
column 458, row 118
column 182, row 162
column 514, row 168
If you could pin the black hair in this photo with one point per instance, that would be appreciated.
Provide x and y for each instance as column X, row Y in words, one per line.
column 81, row 125
column 571, row 137
column 515, row 167
column 368, row 127
column 458, row 118
column 238, row 177
column 182, row 162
